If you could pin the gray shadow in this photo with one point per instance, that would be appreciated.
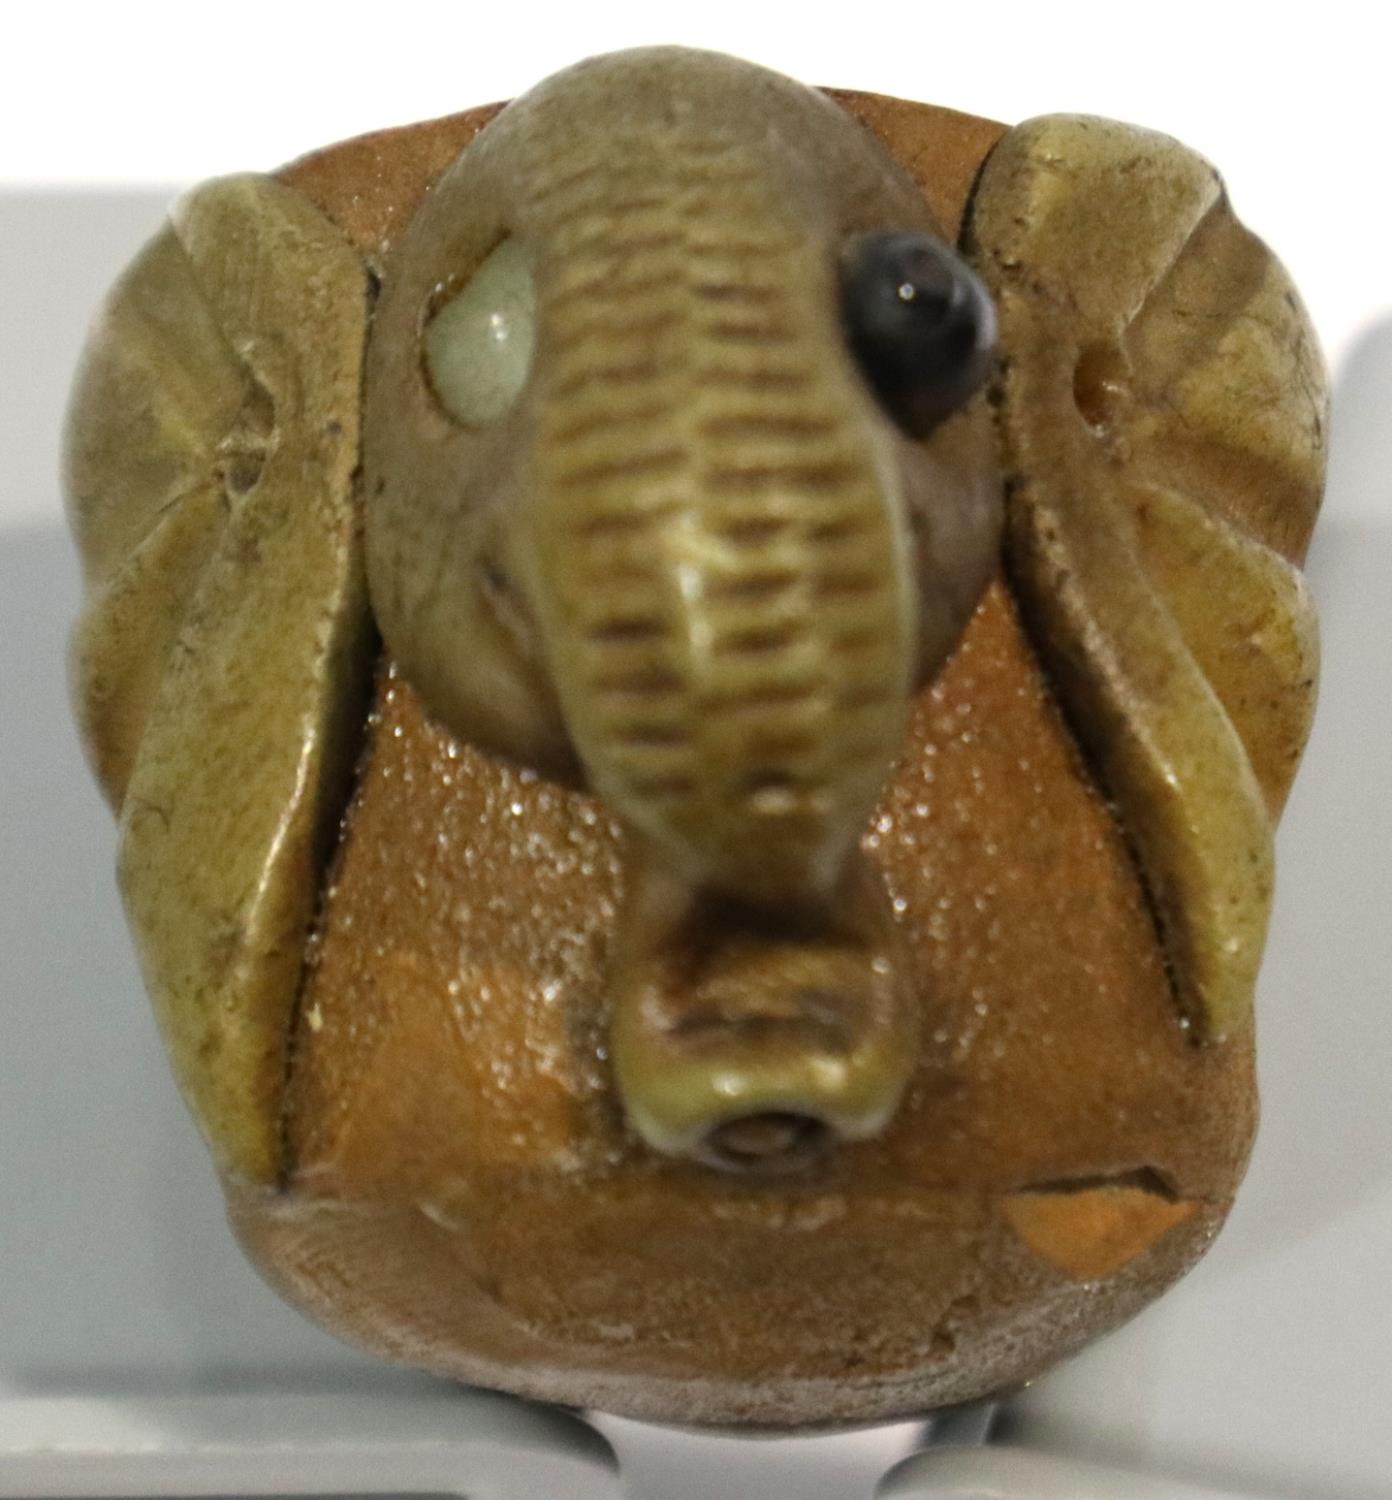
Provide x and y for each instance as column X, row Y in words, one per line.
column 62, row 252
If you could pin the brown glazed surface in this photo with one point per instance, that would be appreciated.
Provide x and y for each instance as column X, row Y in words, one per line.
column 461, row 1189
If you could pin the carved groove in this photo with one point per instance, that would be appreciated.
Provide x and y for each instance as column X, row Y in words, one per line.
column 813, row 477
column 629, row 465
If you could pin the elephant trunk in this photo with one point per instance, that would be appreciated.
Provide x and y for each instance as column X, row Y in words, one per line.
column 721, row 573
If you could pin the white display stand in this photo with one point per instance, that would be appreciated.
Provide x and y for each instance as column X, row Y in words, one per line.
column 997, row 1473
column 139, row 1355
column 404, row 1445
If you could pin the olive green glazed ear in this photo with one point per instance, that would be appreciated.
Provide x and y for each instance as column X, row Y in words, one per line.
column 220, row 663
column 1163, row 425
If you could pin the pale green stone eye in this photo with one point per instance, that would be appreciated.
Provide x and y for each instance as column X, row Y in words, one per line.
column 478, row 345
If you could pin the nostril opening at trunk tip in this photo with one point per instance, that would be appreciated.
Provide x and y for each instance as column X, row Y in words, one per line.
column 773, row 1141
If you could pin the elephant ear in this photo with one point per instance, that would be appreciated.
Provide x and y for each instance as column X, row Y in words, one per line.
column 1162, row 408
column 221, row 661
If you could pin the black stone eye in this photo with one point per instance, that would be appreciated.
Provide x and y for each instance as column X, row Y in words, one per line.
column 920, row 322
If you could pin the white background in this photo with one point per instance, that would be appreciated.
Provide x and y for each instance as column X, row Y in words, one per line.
column 1291, row 102
column 1270, row 1369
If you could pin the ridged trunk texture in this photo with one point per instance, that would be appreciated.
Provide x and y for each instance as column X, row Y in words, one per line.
column 722, row 571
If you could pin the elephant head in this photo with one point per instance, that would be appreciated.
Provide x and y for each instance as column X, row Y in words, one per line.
column 674, row 483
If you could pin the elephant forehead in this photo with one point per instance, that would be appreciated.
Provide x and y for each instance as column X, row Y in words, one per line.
column 689, row 118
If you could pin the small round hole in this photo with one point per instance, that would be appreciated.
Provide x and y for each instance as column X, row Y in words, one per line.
column 774, row 1141
column 1101, row 386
